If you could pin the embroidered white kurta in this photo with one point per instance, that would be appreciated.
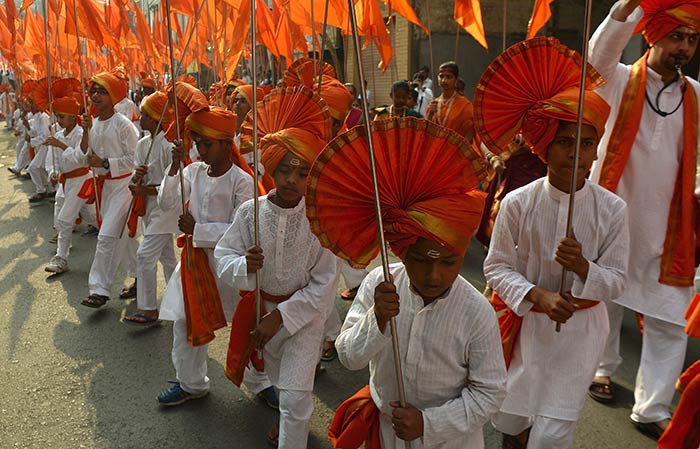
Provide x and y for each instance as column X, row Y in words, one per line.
column 550, row 372
column 156, row 220
column 114, row 139
column 648, row 180
column 72, row 158
column 451, row 355
column 296, row 264
column 213, row 203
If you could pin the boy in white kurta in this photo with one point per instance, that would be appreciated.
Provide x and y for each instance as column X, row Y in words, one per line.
column 214, row 190
column 75, row 172
column 153, row 157
column 549, row 372
column 38, row 132
column 109, row 146
column 22, row 158
column 297, row 281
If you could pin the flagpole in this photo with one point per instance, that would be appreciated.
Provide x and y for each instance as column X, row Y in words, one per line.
column 177, row 120
column 377, row 205
column 430, row 37
column 256, row 176
column 577, row 150
column 323, row 45
column 313, row 40
column 85, row 106
column 505, row 25
column 45, row 4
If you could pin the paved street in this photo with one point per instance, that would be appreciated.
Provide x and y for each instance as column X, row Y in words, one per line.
column 74, row 377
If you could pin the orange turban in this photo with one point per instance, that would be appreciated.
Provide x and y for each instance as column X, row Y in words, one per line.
column 663, row 16
column 115, row 86
column 337, row 97
column 530, row 88
column 66, row 106
column 302, row 143
column 542, row 121
column 148, row 83
column 155, row 104
column 216, row 123
column 246, row 91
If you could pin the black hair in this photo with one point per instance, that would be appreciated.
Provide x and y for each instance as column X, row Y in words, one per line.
column 401, row 84
column 451, row 66
column 419, row 75
column 414, row 94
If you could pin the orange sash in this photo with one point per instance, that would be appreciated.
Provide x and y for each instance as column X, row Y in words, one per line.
column 457, row 114
column 510, row 324
column 356, row 421
column 680, row 433
column 89, row 194
column 31, row 153
column 240, row 346
column 692, row 316
column 78, row 172
column 203, row 309
column 138, row 209
column 678, row 258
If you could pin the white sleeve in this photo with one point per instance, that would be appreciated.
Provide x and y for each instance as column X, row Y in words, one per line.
column 229, row 253
column 128, row 138
column 500, row 263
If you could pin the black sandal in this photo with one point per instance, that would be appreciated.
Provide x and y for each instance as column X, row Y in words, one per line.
column 601, row 392
column 128, row 292
column 95, row 301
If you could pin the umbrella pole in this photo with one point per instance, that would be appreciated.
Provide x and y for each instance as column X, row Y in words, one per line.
column 256, row 193
column 577, row 151
column 377, row 205
column 85, row 108
column 177, row 119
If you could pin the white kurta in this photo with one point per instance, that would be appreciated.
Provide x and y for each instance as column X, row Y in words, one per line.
column 156, row 220
column 213, row 203
column 550, row 372
column 72, row 158
column 451, row 355
column 296, row 264
column 114, row 139
column 657, row 150
column 128, row 109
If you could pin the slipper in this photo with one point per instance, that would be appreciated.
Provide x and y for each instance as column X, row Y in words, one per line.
column 273, row 436
column 128, row 292
column 349, row 294
column 651, row 429
column 329, row 354
column 601, row 392
column 140, row 319
column 95, row 301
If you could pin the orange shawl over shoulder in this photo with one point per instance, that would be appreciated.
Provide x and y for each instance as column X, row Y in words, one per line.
column 456, row 114
column 240, row 346
column 203, row 309
column 678, row 258
column 356, row 421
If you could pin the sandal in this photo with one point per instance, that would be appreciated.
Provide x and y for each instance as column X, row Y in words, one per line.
column 141, row 319
column 329, row 352
column 273, row 436
column 128, row 292
column 95, row 301
column 349, row 294
column 601, row 392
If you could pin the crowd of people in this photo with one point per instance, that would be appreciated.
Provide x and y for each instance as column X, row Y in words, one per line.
column 178, row 167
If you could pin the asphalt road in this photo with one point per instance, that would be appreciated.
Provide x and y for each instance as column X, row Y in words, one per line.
column 73, row 377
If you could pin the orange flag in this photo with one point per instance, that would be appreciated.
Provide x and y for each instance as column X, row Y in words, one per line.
column 541, row 13
column 145, row 37
column 468, row 16
column 406, row 11
column 370, row 23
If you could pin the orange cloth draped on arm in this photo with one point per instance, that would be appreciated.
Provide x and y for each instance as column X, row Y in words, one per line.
column 203, row 309
column 456, row 114
column 684, row 429
column 240, row 347
column 138, row 209
column 356, row 421
column 678, row 257
column 692, row 316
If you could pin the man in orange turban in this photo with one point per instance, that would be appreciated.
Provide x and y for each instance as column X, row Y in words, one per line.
column 338, row 98
column 196, row 299
column 531, row 244
column 653, row 106
column 152, row 159
column 297, row 274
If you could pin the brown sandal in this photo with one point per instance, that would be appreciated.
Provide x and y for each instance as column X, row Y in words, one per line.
column 601, row 392
column 273, row 436
column 128, row 292
column 95, row 301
